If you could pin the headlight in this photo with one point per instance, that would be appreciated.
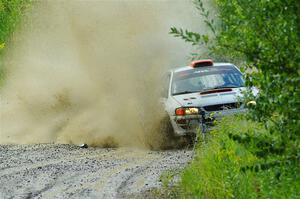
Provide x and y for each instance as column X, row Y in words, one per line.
column 251, row 103
column 187, row 111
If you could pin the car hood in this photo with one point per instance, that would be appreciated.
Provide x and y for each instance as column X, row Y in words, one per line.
column 199, row 100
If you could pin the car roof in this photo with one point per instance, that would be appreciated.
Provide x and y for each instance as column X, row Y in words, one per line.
column 185, row 68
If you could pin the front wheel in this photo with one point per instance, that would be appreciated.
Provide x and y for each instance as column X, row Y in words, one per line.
column 168, row 138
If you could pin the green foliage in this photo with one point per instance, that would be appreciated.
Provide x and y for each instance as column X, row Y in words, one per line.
column 11, row 11
column 226, row 167
column 194, row 38
column 270, row 42
column 267, row 33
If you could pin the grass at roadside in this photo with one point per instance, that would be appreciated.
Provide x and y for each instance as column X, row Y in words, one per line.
column 232, row 164
column 11, row 12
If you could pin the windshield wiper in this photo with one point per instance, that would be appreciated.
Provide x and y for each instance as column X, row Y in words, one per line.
column 184, row 92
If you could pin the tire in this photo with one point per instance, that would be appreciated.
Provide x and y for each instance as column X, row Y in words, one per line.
column 170, row 140
column 166, row 131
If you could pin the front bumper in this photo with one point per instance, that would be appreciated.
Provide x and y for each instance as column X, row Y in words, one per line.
column 188, row 124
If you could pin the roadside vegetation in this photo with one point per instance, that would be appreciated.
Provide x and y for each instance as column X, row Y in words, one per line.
column 11, row 12
column 255, row 155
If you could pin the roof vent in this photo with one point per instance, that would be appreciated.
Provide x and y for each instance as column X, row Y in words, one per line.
column 202, row 63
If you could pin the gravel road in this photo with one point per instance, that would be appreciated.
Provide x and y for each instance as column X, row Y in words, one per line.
column 67, row 171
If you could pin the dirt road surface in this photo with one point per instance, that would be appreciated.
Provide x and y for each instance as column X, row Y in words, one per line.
column 67, row 171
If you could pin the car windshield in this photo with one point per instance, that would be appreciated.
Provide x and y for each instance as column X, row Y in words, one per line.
column 206, row 78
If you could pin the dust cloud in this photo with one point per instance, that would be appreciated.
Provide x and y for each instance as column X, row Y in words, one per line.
column 92, row 71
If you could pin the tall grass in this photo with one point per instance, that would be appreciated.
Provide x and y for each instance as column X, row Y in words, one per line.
column 230, row 165
column 11, row 13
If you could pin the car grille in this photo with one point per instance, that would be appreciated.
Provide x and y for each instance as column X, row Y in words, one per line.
column 221, row 107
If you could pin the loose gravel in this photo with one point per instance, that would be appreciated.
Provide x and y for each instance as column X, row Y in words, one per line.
column 68, row 171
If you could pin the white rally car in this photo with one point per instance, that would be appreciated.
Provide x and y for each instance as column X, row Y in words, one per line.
column 204, row 89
